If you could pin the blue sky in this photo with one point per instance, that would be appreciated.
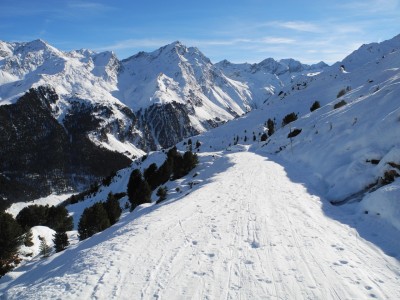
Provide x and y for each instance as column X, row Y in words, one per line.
column 238, row 30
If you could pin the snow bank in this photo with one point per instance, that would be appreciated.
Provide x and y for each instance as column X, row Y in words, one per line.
column 384, row 202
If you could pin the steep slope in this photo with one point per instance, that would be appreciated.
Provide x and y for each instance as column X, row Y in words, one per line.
column 248, row 232
column 39, row 156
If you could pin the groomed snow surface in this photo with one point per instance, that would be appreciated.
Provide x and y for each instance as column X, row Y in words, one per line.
column 252, row 230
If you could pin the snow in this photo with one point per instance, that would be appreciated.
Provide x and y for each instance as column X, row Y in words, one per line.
column 51, row 200
column 253, row 220
column 384, row 203
column 250, row 230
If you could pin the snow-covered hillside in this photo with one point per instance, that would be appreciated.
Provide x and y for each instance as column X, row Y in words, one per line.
column 248, row 231
column 313, row 216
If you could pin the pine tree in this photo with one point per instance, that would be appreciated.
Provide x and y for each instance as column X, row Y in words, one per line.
column 139, row 190
column 94, row 219
column 44, row 248
column 271, row 127
column 190, row 161
column 10, row 240
column 28, row 238
column 113, row 208
column 151, row 176
column 315, row 106
column 161, row 193
column 165, row 171
column 60, row 240
column 58, row 218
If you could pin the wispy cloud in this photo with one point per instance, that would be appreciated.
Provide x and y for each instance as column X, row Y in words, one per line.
column 92, row 6
column 298, row 26
column 277, row 40
column 134, row 43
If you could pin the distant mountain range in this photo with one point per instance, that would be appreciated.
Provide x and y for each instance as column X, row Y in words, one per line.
column 98, row 104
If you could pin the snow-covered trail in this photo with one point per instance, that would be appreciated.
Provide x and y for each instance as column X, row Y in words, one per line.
column 250, row 233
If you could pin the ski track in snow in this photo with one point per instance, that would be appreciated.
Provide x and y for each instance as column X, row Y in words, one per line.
column 249, row 233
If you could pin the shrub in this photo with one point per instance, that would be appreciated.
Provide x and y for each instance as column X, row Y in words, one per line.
column 339, row 104
column 341, row 93
column 289, row 118
column 294, row 133
column 264, row 137
column 315, row 106
column 198, row 144
column 389, row 176
column 161, row 193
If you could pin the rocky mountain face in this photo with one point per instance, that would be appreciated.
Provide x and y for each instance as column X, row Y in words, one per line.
column 68, row 118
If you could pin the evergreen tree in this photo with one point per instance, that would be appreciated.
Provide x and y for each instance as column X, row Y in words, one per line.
column 161, row 193
column 271, row 127
column 139, row 191
column 178, row 166
column 165, row 171
column 94, row 219
column 28, row 239
column 10, row 240
column 190, row 161
column 58, row 219
column 33, row 215
column 315, row 106
column 198, row 144
column 151, row 176
column 44, row 248
column 264, row 137
column 60, row 240
column 289, row 118
column 113, row 208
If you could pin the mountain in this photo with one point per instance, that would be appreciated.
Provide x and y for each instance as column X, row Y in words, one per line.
column 308, row 211
column 146, row 102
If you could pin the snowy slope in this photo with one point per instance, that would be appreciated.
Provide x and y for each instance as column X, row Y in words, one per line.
column 258, row 221
column 268, row 77
column 249, row 232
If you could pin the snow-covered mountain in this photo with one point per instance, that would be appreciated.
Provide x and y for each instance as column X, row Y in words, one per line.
column 255, row 218
column 143, row 103
column 203, row 95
